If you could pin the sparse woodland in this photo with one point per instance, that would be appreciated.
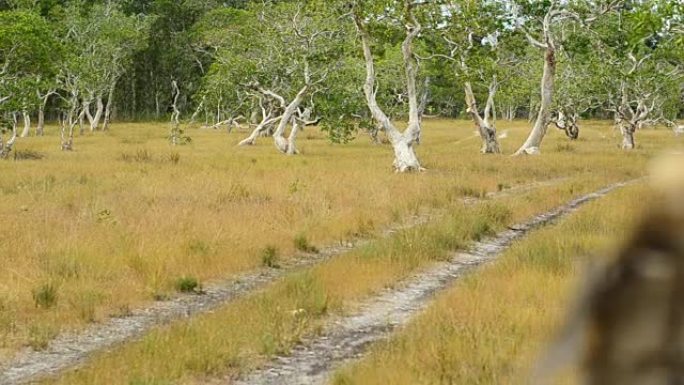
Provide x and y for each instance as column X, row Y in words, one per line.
column 292, row 159
column 351, row 67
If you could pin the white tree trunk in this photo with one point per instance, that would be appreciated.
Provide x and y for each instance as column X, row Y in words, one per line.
column 6, row 148
column 405, row 158
column 627, row 136
column 88, row 114
column 108, row 108
column 291, row 145
column 40, row 127
column 260, row 129
column 281, row 143
column 490, row 144
column 27, row 124
column 95, row 120
column 534, row 140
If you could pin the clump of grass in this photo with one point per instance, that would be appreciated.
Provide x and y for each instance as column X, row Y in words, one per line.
column 269, row 256
column 174, row 157
column 45, row 295
column 187, row 284
column 28, row 155
column 40, row 335
column 565, row 147
column 301, row 243
column 85, row 304
column 467, row 191
column 142, row 155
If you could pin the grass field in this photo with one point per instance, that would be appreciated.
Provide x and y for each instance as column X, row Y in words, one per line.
column 493, row 327
column 126, row 219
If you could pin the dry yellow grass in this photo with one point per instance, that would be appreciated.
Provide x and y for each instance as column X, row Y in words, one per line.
column 242, row 335
column 491, row 328
column 115, row 223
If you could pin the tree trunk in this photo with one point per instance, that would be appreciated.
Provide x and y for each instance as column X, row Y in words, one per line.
column 291, row 145
column 6, row 148
column 281, row 143
column 533, row 142
column 88, row 114
column 490, row 144
column 260, row 129
column 405, row 158
column 27, row 124
column 95, row 122
column 108, row 108
column 627, row 130
column 40, row 127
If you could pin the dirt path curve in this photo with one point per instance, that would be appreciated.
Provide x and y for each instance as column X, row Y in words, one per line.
column 71, row 349
column 347, row 338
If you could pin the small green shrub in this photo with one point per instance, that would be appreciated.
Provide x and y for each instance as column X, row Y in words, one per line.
column 187, row 285
column 302, row 244
column 269, row 257
column 45, row 296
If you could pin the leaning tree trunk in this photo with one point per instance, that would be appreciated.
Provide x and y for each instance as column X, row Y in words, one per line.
column 281, row 143
column 260, row 129
column 533, row 142
column 490, row 144
column 95, row 120
column 291, row 145
column 27, row 124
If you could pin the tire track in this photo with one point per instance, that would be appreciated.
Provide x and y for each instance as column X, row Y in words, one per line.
column 70, row 350
column 347, row 338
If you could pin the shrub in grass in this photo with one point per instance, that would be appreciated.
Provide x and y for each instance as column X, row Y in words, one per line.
column 187, row 285
column 302, row 244
column 269, row 257
column 45, row 296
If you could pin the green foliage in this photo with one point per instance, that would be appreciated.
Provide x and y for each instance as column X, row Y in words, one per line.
column 301, row 243
column 269, row 256
column 187, row 284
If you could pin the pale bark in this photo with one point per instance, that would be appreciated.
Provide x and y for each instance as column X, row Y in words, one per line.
column 291, row 145
column 267, row 121
column 629, row 119
column 176, row 135
column 6, row 147
column 108, row 107
column 281, row 143
column 95, row 119
column 534, row 140
column 490, row 144
column 88, row 114
column 40, row 126
column 405, row 158
column 69, row 122
column 533, row 143
column 27, row 124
